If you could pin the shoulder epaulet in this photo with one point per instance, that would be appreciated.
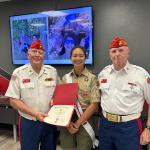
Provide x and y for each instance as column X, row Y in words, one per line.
column 90, row 71
column 21, row 68
column 142, row 70
column 106, row 68
column 49, row 67
column 65, row 75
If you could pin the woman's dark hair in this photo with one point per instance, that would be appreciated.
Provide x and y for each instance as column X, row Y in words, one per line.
column 82, row 48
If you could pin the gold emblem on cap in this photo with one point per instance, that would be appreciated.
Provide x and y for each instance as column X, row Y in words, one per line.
column 40, row 46
column 120, row 43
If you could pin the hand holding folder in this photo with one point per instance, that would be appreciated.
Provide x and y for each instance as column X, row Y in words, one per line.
column 64, row 102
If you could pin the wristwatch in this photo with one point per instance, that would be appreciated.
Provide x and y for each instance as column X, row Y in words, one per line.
column 147, row 127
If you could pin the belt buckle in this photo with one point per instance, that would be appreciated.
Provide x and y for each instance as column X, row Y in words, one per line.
column 111, row 117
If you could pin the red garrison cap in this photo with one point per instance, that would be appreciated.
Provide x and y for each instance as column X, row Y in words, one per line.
column 37, row 45
column 117, row 42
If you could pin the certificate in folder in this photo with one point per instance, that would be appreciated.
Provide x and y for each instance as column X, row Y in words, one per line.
column 63, row 104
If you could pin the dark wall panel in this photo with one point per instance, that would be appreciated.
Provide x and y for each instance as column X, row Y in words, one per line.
column 127, row 18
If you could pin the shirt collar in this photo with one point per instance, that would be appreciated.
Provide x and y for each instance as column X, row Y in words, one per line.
column 84, row 72
column 31, row 71
column 126, row 68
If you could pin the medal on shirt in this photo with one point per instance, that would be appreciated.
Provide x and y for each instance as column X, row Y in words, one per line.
column 86, row 79
column 49, row 79
column 132, row 85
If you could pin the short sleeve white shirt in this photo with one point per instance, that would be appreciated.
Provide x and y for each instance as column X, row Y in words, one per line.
column 123, row 92
column 35, row 90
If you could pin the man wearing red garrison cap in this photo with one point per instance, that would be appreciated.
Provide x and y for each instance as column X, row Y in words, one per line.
column 124, row 87
column 30, row 90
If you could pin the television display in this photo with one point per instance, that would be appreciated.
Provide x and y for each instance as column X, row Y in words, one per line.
column 59, row 31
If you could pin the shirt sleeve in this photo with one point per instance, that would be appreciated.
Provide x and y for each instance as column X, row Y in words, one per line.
column 13, row 90
column 99, row 79
column 95, row 94
column 147, row 89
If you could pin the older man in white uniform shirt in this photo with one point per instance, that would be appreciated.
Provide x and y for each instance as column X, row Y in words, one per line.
column 124, row 87
column 31, row 89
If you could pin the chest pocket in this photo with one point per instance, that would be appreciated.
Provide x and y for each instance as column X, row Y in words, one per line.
column 132, row 89
column 49, row 83
column 28, row 86
column 85, row 94
column 84, row 91
column 27, row 90
column 49, row 87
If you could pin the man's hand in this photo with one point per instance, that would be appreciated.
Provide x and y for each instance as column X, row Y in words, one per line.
column 73, row 128
column 40, row 116
column 145, row 137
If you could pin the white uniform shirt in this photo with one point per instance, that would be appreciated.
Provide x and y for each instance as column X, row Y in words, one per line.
column 35, row 90
column 123, row 92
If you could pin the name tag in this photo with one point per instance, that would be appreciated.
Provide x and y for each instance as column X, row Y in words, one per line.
column 24, row 81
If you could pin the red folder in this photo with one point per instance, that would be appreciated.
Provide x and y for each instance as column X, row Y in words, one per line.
column 65, row 94
column 63, row 104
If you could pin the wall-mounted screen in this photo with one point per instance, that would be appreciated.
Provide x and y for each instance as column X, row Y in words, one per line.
column 59, row 31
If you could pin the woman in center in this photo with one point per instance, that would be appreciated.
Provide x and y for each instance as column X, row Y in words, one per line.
column 78, row 134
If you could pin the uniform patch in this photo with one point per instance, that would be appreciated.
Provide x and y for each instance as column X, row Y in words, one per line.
column 103, row 80
column 25, row 81
column 85, row 94
column 148, row 80
column 13, row 77
column 49, row 79
column 132, row 84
